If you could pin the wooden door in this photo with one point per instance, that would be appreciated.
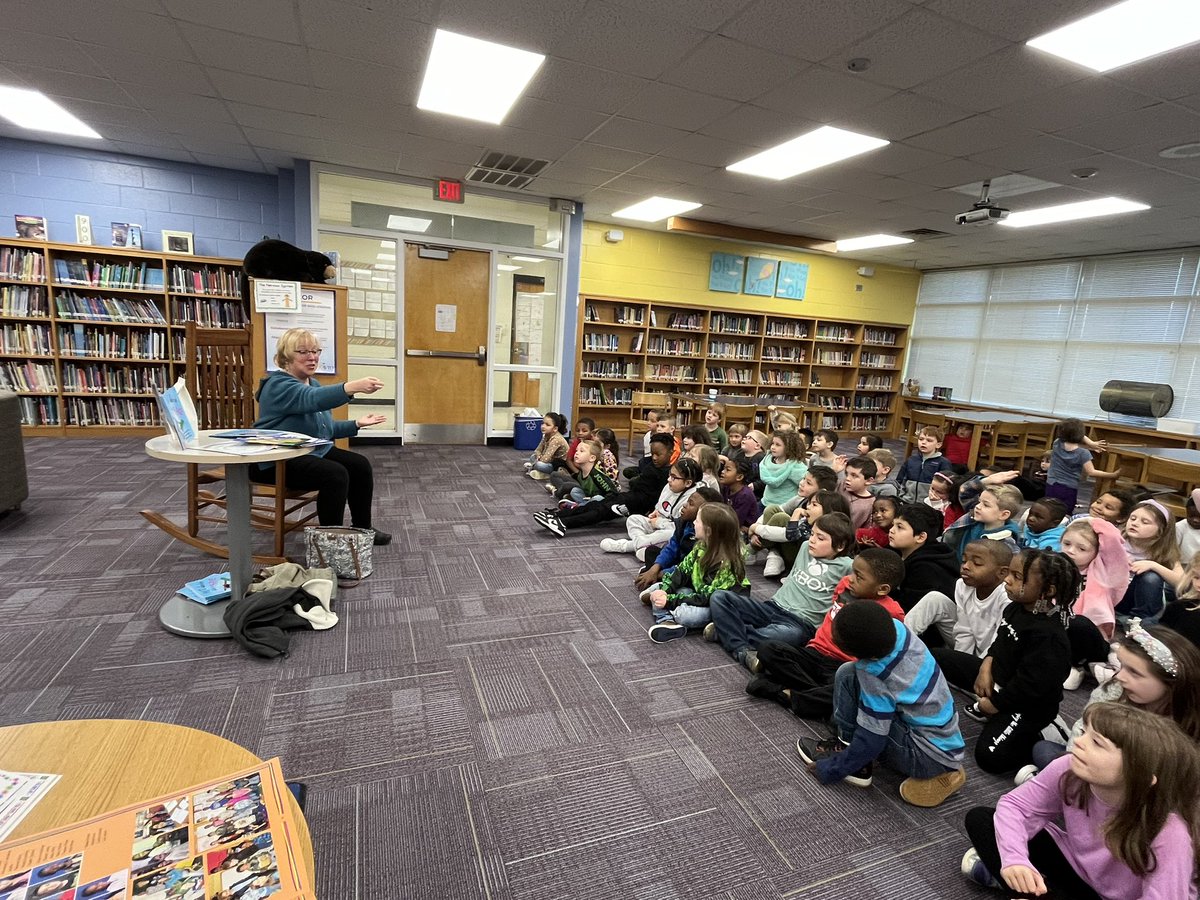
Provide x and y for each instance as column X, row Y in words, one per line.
column 445, row 346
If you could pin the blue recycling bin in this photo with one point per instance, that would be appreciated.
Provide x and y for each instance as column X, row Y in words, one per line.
column 527, row 432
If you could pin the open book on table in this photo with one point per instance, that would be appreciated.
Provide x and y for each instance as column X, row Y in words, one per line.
column 270, row 437
column 179, row 415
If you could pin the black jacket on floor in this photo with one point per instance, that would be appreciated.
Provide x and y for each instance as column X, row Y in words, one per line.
column 260, row 621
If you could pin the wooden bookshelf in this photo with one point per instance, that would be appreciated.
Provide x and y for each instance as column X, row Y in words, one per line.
column 89, row 333
column 849, row 370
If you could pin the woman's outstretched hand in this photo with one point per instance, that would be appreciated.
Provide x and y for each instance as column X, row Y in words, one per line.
column 368, row 385
column 367, row 421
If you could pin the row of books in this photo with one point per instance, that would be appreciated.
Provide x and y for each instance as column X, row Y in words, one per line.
column 731, row 350
column 690, row 321
column 878, row 360
column 873, row 402
column 23, row 300
column 874, row 383
column 869, row 423
column 786, row 329
column 111, row 411
column 829, row 401
column 784, row 354
column 609, row 396
column 216, row 280
column 95, row 378
column 27, row 376
column 782, row 376
column 39, row 411
column 19, row 262
column 671, row 373
column 834, row 333
column 71, row 305
column 605, row 342
column 610, row 368
column 883, row 336
column 109, row 274
column 728, row 375
column 131, row 343
column 835, row 357
column 729, row 324
column 26, row 338
column 671, row 346
column 209, row 313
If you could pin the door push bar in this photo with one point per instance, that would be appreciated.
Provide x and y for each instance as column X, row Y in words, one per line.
column 480, row 356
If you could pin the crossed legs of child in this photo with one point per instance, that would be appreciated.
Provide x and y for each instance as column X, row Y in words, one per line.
column 1062, row 881
column 643, row 532
column 670, row 624
column 743, row 623
column 934, row 610
column 780, row 555
column 798, row 678
column 1145, row 598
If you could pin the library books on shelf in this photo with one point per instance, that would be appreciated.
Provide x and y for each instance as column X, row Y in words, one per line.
column 846, row 374
column 88, row 334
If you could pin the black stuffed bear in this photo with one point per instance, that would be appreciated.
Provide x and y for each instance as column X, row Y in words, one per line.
column 282, row 261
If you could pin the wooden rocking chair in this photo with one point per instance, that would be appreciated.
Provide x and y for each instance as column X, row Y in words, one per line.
column 218, row 378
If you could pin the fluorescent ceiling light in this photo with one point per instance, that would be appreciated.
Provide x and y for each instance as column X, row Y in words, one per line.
column 386, row 257
column 504, row 268
column 1125, row 33
column 530, row 259
column 871, row 240
column 475, row 79
column 408, row 223
column 1066, row 212
column 655, row 209
column 37, row 112
column 818, row 148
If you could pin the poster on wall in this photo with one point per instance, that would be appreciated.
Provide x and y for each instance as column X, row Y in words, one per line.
column 275, row 296
column 527, row 318
column 725, row 272
column 760, row 276
column 317, row 314
column 793, row 280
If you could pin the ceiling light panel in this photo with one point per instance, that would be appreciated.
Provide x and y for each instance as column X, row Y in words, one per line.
column 1125, row 33
column 475, row 79
column 822, row 147
column 37, row 112
column 1069, row 212
column 655, row 209
column 870, row 241
column 408, row 223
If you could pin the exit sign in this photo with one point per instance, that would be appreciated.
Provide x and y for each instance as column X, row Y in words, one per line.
column 448, row 191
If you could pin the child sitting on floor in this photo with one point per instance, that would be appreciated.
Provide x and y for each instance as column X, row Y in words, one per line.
column 968, row 622
column 781, row 529
column 590, row 483
column 891, row 705
column 709, row 462
column 929, row 565
column 1154, row 562
column 875, row 534
column 1126, row 801
column 655, row 528
column 1183, row 614
column 652, row 417
column 737, row 492
column 1044, row 525
column 918, row 470
column 801, row 678
column 1187, row 529
column 781, row 472
column 990, row 517
column 884, row 484
column 754, row 446
column 859, row 473
column 823, row 443
column 869, row 442
column 551, row 449
column 733, row 450
column 712, row 424
column 660, row 561
column 714, row 564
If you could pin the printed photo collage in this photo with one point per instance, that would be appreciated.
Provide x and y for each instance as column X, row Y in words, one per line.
column 212, row 845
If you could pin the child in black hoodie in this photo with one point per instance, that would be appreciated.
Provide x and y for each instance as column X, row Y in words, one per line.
column 929, row 565
column 1019, row 682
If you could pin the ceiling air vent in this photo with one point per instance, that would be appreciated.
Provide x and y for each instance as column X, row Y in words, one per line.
column 505, row 169
column 924, row 233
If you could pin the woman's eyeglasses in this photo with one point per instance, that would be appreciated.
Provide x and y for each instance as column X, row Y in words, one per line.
column 308, row 352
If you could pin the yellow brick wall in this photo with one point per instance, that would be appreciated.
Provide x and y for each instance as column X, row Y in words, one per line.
column 656, row 265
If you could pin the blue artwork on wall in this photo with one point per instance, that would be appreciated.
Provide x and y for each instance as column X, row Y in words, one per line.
column 793, row 279
column 725, row 272
column 760, row 276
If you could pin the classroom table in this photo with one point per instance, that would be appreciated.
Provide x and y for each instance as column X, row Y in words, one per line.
column 986, row 420
column 106, row 764
column 185, row 617
column 678, row 398
column 1143, row 456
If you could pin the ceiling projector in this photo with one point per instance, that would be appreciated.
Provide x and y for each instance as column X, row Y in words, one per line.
column 983, row 211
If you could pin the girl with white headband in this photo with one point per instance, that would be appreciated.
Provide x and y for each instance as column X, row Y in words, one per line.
column 1154, row 563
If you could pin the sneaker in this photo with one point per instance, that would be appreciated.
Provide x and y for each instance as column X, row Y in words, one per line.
column 620, row 509
column 774, row 565
column 710, row 632
column 644, row 596
column 615, row 545
column 974, row 870
column 567, row 504
column 814, row 751
column 752, row 558
column 749, row 659
column 550, row 489
column 527, row 465
column 1024, row 774
column 1057, row 732
column 661, row 632
column 1074, row 680
column 553, row 524
column 974, row 712
column 640, row 553
column 382, row 538
column 930, row 792
column 538, row 476
column 1102, row 672
column 761, row 686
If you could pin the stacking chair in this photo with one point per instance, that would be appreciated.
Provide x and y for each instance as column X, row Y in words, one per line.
column 1008, row 447
column 218, row 378
column 742, row 413
column 645, row 400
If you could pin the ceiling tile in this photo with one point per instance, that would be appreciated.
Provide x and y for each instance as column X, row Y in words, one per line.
column 951, row 173
column 1043, row 150
column 1073, row 104
column 1002, row 78
column 676, row 169
column 241, row 53
column 732, row 69
column 758, row 128
column 645, row 45
column 67, row 86
column 608, row 159
column 667, row 104
column 532, row 25
column 19, row 49
column 255, row 91
column 1031, row 20
column 811, row 29
column 703, row 14
column 558, row 119
column 708, row 151
column 897, row 158
column 630, row 134
column 274, row 19
column 972, row 135
column 566, row 81
column 1169, row 76
column 901, row 116
column 382, row 33
column 1163, row 122
column 95, row 23
column 822, row 94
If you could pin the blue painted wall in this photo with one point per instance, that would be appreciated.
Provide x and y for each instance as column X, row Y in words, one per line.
column 227, row 211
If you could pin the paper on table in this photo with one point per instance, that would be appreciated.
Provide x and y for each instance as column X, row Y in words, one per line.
column 20, row 793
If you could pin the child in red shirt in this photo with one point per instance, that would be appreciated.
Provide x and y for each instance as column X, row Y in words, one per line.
column 883, row 514
column 801, row 678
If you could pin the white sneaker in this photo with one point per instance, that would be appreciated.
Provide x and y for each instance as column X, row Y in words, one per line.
column 774, row 564
column 1024, row 774
column 613, row 545
column 1074, row 680
column 1102, row 672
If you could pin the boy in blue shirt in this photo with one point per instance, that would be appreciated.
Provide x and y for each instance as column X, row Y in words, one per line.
column 893, row 705
column 918, row 470
column 993, row 515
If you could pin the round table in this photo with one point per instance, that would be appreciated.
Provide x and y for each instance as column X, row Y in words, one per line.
column 180, row 615
column 106, row 764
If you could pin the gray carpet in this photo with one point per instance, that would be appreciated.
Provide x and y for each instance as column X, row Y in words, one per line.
column 489, row 719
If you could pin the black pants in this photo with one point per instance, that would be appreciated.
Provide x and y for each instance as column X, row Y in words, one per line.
column 1006, row 741
column 340, row 477
column 1087, row 643
column 805, row 672
column 1062, row 881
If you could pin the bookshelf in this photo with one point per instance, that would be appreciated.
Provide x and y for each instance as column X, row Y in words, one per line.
column 846, row 372
column 89, row 333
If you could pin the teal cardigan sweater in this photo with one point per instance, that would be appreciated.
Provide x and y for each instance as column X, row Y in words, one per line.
column 286, row 403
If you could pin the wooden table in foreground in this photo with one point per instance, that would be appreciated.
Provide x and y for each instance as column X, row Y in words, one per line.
column 1143, row 456
column 985, row 420
column 106, row 764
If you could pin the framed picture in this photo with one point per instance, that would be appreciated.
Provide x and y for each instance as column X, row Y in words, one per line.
column 120, row 234
column 760, row 276
column 725, row 272
column 83, row 229
column 178, row 242
column 135, row 236
column 31, row 227
column 793, row 280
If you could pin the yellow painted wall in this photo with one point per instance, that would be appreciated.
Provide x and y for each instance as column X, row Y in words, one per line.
column 656, row 265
